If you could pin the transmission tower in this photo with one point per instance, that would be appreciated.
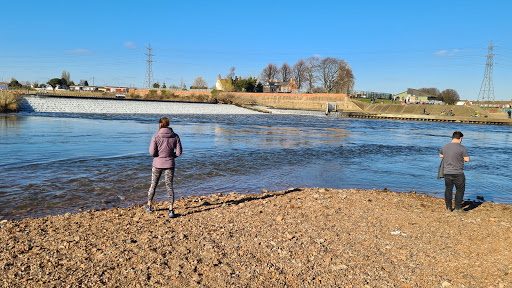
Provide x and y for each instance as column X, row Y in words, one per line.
column 487, row 88
column 149, row 69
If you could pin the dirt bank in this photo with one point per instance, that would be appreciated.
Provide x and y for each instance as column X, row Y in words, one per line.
column 295, row 238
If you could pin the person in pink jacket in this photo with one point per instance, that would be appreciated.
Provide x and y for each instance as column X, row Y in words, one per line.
column 165, row 147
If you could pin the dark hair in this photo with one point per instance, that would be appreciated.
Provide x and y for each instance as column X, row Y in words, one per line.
column 164, row 122
column 457, row 135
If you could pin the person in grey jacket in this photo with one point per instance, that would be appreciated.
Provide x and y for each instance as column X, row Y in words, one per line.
column 454, row 155
column 165, row 147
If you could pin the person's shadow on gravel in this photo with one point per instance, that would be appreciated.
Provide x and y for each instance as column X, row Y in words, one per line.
column 205, row 206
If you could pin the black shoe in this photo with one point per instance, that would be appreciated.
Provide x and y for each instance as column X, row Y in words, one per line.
column 171, row 214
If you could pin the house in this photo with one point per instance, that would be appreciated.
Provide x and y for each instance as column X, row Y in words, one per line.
column 110, row 89
column 280, row 87
column 414, row 96
column 223, row 84
column 83, row 88
column 46, row 88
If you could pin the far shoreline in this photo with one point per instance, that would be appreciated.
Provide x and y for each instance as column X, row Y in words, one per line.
column 372, row 113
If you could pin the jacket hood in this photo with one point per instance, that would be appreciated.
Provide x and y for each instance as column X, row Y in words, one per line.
column 166, row 132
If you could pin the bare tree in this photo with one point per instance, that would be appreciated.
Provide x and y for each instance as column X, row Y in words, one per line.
column 183, row 85
column 328, row 72
column 268, row 73
column 231, row 74
column 312, row 72
column 299, row 72
column 285, row 72
column 66, row 75
column 199, row 83
column 450, row 96
column 345, row 78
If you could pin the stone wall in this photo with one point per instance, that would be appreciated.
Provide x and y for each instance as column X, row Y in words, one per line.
column 314, row 102
column 50, row 104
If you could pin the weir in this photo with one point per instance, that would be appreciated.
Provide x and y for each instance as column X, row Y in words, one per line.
column 56, row 104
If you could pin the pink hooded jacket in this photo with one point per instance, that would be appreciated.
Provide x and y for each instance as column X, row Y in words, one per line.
column 163, row 146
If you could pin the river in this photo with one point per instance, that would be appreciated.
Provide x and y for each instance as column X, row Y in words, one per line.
column 57, row 163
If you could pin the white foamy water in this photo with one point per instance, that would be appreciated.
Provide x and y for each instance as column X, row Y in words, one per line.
column 46, row 104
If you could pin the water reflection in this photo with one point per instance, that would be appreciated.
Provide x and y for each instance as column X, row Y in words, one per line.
column 59, row 163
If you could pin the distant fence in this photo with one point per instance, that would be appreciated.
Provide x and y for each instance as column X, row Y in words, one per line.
column 175, row 89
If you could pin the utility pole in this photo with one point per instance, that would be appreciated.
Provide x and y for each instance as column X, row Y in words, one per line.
column 487, row 88
column 149, row 68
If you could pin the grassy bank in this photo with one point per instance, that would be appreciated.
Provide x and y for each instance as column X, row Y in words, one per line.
column 9, row 102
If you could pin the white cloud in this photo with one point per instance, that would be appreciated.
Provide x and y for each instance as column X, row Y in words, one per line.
column 129, row 44
column 448, row 52
column 441, row 52
column 78, row 51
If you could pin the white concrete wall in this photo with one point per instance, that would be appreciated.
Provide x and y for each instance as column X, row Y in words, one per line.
column 122, row 106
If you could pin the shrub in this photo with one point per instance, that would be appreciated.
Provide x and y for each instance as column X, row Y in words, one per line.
column 9, row 102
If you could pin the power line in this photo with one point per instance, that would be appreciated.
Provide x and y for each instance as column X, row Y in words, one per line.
column 487, row 88
column 149, row 68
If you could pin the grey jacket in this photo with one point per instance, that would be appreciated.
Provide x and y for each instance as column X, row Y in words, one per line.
column 440, row 172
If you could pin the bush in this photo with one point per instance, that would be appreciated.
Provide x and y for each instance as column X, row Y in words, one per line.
column 9, row 102
column 134, row 96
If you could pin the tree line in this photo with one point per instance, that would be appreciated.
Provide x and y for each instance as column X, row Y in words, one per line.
column 64, row 80
column 448, row 96
column 327, row 75
column 232, row 83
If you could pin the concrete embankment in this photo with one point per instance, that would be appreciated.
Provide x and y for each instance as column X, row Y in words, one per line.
column 297, row 101
column 50, row 104
column 432, row 113
column 311, row 102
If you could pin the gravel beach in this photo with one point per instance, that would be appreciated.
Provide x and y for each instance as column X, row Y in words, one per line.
column 293, row 238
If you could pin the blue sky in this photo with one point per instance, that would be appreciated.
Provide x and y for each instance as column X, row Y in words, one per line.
column 390, row 45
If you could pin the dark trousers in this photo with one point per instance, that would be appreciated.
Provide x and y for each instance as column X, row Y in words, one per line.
column 459, row 180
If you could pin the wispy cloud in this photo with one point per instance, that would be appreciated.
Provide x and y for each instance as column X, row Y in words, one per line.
column 447, row 52
column 78, row 51
column 130, row 44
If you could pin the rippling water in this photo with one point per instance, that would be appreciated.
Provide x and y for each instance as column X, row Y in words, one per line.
column 56, row 163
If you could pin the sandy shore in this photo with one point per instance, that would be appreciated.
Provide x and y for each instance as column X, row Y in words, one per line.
column 293, row 238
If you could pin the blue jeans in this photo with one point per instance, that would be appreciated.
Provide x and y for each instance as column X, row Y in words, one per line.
column 459, row 180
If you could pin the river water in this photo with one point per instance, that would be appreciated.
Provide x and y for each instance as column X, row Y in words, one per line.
column 57, row 163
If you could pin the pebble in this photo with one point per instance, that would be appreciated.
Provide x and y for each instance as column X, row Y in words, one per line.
column 349, row 243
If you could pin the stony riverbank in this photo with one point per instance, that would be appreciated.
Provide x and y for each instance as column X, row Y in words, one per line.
column 293, row 238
